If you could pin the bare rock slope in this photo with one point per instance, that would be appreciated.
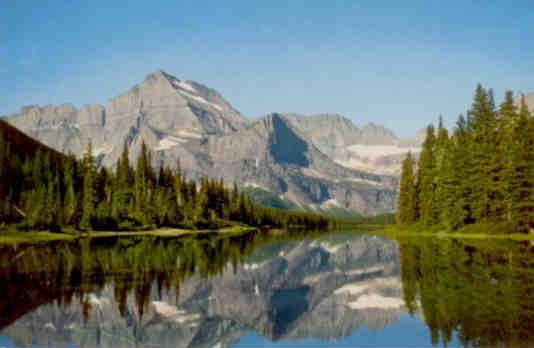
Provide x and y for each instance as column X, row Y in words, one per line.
column 318, row 162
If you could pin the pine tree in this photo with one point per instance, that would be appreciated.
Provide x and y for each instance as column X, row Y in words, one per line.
column 407, row 205
column 442, row 161
column 123, row 196
column 427, row 209
column 508, row 118
column 141, row 181
column 89, row 194
column 70, row 201
column 482, row 145
column 521, row 172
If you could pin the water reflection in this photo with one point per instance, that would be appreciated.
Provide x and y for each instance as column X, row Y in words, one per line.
column 482, row 290
column 212, row 291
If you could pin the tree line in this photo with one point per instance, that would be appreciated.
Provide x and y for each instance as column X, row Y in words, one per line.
column 46, row 190
column 482, row 172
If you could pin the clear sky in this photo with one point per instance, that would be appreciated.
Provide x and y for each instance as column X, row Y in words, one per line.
column 397, row 63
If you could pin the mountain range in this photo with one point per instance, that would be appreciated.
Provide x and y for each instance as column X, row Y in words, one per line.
column 320, row 162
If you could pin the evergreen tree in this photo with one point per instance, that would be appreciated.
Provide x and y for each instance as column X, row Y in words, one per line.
column 503, row 162
column 427, row 207
column 407, row 205
column 482, row 146
column 124, row 182
column 70, row 201
column 89, row 194
column 521, row 189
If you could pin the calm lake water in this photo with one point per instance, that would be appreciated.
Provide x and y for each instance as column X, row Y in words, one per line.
column 340, row 289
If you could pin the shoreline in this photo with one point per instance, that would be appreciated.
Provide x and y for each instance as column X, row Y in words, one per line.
column 29, row 237
column 415, row 231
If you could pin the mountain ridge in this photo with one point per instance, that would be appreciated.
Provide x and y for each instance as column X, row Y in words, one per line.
column 287, row 155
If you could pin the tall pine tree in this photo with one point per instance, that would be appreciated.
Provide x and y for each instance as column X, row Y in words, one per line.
column 407, row 204
column 89, row 194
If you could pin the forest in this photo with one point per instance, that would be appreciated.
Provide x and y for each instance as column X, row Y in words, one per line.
column 481, row 173
column 41, row 189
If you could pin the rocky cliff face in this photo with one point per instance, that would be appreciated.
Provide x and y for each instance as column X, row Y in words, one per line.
column 316, row 162
column 310, row 289
column 529, row 99
column 372, row 148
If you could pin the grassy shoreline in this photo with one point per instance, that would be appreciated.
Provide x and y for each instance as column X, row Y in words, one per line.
column 476, row 231
column 11, row 236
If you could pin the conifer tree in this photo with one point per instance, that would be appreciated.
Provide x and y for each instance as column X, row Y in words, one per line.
column 123, row 197
column 141, row 180
column 508, row 118
column 406, row 207
column 427, row 208
column 70, row 201
column 482, row 146
column 89, row 194
column 521, row 189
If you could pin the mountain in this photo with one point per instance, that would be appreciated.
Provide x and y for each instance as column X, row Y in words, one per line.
column 16, row 148
column 372, row 148
column 529, row 99
column 162, row 110
column 318, row 162
column 21, row 144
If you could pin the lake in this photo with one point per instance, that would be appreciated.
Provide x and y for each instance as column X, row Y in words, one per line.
column 259, row 290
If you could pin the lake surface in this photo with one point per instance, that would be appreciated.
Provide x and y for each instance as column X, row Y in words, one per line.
column 340, row 289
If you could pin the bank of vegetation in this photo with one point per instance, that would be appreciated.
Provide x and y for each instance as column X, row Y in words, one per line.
column 480, row 175
column 41, row 189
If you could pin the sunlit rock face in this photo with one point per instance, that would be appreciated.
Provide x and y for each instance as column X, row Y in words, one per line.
column 529, row 100
column 309, row 162
column 310, row 289
column 372, row 148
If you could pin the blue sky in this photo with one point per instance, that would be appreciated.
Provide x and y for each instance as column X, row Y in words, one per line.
column 397, row 63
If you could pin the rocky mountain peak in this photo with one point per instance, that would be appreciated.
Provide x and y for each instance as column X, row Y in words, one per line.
column 376, row 134
column 291, row 156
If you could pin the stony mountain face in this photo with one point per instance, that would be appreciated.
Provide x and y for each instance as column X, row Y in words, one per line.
column 372, row 148
column 529, row 99
column 311, row 289
column 316, row 162
column 273, row 155
column 162, row 111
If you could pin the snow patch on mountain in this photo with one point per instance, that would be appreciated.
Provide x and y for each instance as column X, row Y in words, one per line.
column 169, row 142
column 189, row 134
column 374, row 152
column 378, row 159
column 200, row 99
column 184, row 85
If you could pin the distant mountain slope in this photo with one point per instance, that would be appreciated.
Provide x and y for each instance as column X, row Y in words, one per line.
column 273, row 155
column 307, row 161
column 22, row 144
column 529, row 99
column 17, row 148
column 372, row 148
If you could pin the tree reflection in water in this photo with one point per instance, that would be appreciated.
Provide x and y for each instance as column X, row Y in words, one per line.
column 480, row 291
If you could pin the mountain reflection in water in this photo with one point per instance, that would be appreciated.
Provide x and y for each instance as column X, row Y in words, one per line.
column 216, row 291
